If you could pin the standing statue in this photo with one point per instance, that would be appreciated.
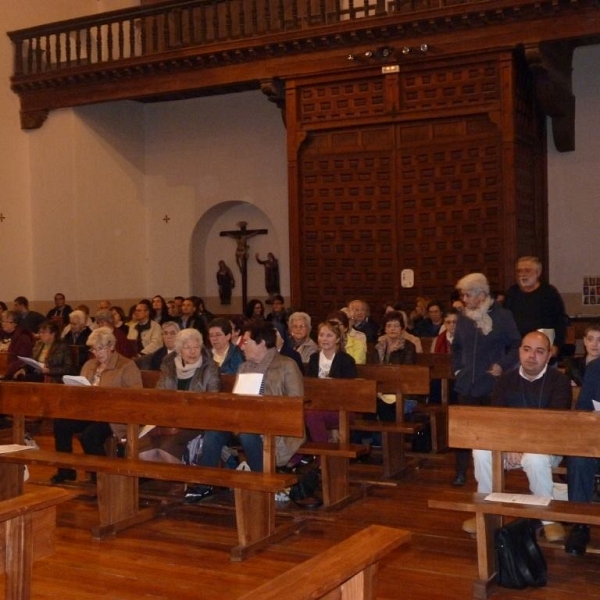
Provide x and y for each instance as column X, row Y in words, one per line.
column 271, row 266
column 226, row 282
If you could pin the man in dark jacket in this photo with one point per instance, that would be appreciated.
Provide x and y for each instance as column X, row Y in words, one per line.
column 485, row 345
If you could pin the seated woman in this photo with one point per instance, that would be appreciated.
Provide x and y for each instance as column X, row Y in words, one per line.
column 227, row 356
column 14, row 340
column 393, row 348
column 255, row 310
column 107, row 369
column 330, row 361
column 575, row 366
column 356, row 347
column 189, row 368
column 53, row 353
column 299, row 326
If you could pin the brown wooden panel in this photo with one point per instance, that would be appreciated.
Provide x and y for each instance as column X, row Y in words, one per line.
column 539, row 431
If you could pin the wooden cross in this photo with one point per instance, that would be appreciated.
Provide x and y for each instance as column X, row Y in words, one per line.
column 241, row 237
column 166, row 219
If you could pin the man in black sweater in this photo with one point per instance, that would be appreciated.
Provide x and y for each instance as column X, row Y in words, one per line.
column 531, row 385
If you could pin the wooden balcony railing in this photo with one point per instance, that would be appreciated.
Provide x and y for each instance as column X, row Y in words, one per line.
column 117, row 36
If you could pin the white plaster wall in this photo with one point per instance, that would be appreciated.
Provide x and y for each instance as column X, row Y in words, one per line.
column 212, row 162
column 574, row 189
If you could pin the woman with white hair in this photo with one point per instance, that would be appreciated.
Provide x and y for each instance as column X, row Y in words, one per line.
column 189, row 368
column 486, row 344
column 107, row 369
column 299, row 326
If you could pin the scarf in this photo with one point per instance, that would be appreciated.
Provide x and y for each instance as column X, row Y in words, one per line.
column 480, row 315
column 186, row 371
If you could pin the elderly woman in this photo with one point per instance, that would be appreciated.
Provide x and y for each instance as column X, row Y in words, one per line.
column 299, row 327
column 189, row 368
column 53, row 353
column 329, row 362
column 227, row 355
column 107, row 369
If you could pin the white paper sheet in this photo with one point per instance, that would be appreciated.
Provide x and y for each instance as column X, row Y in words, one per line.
column 519, row 498
column 248, row 383
column 75, row 380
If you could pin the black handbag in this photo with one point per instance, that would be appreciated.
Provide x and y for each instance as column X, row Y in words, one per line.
column 519, row 560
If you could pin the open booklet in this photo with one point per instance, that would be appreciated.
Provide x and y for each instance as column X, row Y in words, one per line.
column 75, row 380
column 38, row 366
column 248, row 383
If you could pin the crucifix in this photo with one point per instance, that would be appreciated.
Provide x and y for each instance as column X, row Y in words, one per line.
column 241, row 236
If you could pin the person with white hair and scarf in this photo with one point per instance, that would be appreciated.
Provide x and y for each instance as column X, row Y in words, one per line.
column 485, row 345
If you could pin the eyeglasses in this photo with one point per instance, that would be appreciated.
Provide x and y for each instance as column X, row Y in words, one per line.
column 186, row 347
column 98, row 349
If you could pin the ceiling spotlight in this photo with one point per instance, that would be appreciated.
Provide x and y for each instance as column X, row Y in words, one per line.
column 369, row 54
column 351, row 56
column 385, row 52
column 423, row 47
column 405, row 50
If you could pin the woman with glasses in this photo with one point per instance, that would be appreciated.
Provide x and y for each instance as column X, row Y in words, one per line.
column 299, row 327
column 53, row 353
column 107, row 369
column 227, row 355
column 189, row 368
column 393, row 348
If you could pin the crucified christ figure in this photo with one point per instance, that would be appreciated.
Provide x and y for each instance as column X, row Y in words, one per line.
column 241, row 236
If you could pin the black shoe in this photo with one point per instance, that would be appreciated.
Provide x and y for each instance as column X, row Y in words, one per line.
column 459, row 480
column 63, row 475
column 196, row 493
column 577, row 540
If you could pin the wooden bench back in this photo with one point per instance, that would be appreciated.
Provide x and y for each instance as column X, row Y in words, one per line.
column 563, row 433
column 397, row 379
column 440, row 365
column 227, row 412
column 4, row 360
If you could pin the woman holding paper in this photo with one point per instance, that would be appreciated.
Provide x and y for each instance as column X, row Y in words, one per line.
column 190, row 368
column 107, row 369
column 52, row 357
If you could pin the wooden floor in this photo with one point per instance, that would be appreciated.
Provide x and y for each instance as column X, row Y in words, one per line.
column 168, row 558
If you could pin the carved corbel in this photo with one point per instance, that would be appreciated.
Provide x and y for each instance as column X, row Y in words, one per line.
column 274, row 89
column 33, row 119
column 551, row 66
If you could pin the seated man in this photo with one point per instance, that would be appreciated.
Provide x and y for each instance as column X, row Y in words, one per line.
column 281, row 377
column 532, row 385
column 581, row 472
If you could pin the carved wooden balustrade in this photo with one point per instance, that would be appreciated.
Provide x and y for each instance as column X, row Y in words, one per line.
column 170, row 50
column 139, row 32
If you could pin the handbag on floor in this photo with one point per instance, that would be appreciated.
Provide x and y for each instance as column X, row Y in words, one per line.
column 519, row 560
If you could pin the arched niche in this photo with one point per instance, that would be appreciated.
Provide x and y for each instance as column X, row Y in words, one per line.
column 208, row 247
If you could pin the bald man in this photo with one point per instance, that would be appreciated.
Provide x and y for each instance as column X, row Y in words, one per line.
column 532, row 385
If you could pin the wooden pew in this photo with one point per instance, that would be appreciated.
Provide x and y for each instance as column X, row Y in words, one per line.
column 28, row 523
column 118, row 477
column 517, row 430
column 401, row 380
column 345, row 396
column 347, row 570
